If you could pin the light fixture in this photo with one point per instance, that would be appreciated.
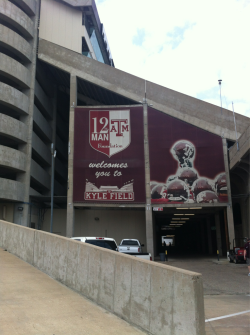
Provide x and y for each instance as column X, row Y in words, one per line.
column 177, row 219
column 176, row 224
column 196, row 207
column 185, row 219
column 182, row 208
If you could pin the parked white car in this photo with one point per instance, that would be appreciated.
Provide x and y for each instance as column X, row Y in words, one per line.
column 130, row 246
column 133, row 247
column 103, row 242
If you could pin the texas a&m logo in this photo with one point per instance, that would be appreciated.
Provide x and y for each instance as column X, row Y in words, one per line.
column 109, row 131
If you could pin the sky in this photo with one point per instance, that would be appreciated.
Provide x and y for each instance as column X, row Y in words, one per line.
column 185, row 45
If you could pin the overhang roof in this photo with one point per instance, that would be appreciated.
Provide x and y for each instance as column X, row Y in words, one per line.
column 78, row 3
column 104, row 82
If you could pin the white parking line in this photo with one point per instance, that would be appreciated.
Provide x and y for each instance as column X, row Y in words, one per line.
column 226, row 316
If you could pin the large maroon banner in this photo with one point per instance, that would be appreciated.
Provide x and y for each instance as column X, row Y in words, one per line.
column 109, row 155
column 186, row 162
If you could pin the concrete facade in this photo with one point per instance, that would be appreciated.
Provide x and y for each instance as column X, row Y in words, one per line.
column 156, row 298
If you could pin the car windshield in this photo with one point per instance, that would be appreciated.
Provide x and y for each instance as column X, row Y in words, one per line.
column 129, row 242
column 103, row 244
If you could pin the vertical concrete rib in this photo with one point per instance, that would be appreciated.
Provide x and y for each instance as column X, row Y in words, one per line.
column 148, row 208
column 70, row 205
column 230, row 218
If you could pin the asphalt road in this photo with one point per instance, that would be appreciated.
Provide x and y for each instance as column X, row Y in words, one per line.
column 218, row 277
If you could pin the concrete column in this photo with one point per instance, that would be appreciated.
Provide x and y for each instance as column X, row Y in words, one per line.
column 218, row 233
column 209, row 238
column 70, row 206
column 230, row 223
column 230, row 219
column 148, row 208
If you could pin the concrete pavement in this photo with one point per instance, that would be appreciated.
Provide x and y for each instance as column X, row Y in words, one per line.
column 32, row 303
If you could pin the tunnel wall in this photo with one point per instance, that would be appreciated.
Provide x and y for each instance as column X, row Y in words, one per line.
column 159, row 299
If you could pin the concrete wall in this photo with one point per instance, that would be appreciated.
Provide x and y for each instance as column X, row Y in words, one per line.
column 117, row 224
column 157, row 298
column 61, row 25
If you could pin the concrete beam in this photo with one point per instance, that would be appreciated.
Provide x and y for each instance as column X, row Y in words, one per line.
column 43, row 101
column 11, row 190
column 199, row 113
column 14, row 99
column 15, row 43
column 85, row 99
column 39, row 175
column 42, row 124
column 41, row 149
column 13, row 128
column 88, row 101
column 12, row 69
column 11, row 158
column 16, row 17
column 34, row 192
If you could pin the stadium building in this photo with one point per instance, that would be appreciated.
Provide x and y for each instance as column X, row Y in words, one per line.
column 123, row 157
